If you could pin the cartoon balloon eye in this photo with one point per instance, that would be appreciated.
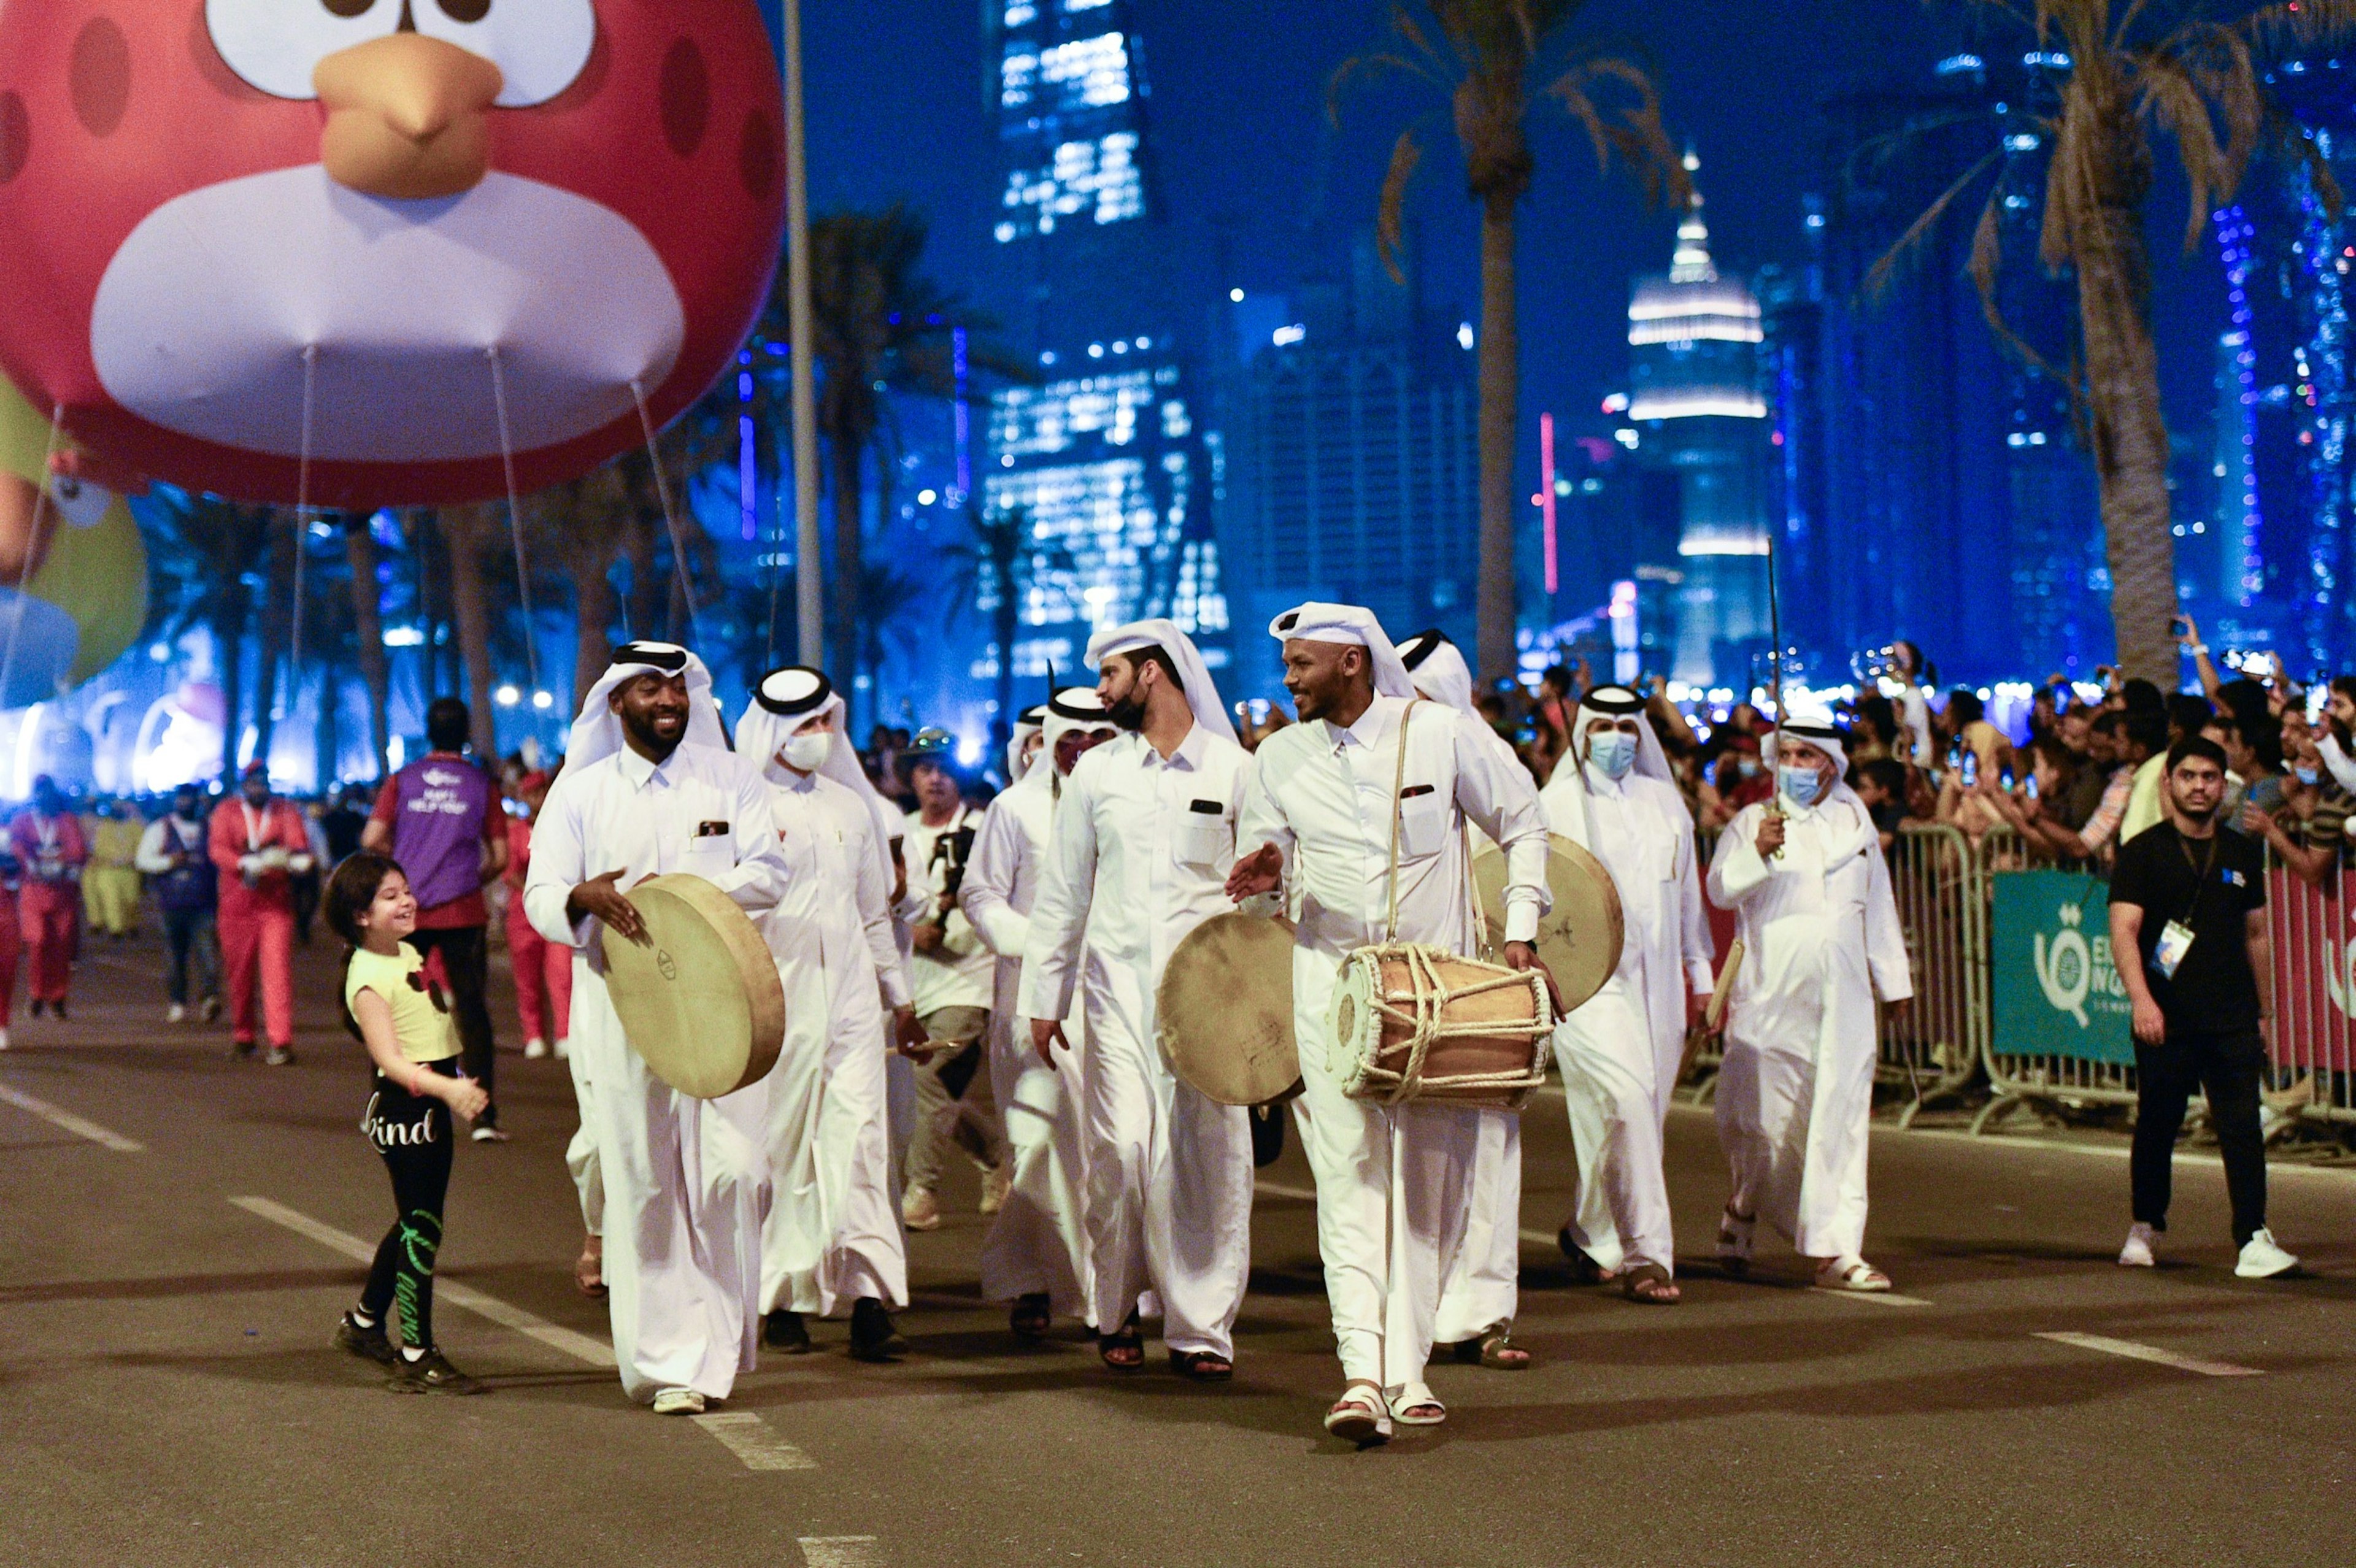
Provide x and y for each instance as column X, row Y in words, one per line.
column 539, row 46
column 275, row 44
column 82, row 505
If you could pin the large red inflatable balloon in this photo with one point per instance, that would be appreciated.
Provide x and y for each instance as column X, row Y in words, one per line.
column 234, row 230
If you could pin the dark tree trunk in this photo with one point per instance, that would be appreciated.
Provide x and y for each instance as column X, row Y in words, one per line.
column 368, row 626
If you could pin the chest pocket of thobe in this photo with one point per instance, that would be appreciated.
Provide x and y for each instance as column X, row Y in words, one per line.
column 1206, row 837
column 713, row 850
column 1423, row 821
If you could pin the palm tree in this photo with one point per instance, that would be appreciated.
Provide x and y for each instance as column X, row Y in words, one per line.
column 2191, row 71
column 206, row 549
column 368, row 624
column 880, row 328
column 468, row 533
column 1493, row 59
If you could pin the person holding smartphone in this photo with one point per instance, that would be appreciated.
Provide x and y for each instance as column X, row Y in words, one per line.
column 2189, row 935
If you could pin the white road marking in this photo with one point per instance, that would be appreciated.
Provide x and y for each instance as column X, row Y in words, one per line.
column 579, row 1347
column 841, row 1551
column 1877, row 1298
column 2135, row 1352
column 81, row 1127
column 753, row 1440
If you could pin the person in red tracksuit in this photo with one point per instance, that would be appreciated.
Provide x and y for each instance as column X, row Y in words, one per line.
column 542, row 969
column 258, row 843
column 47, row 842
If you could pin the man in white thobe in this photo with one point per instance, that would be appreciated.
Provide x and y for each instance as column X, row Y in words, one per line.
column 1144, row 836
column 1810, row 892
column 1391, row 1180
column 1615, row 796
column 650, row 787
column 1036, row 1253
column 1481, row 1291
column 830, row 1235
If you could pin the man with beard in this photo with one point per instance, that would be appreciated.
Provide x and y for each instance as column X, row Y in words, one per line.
column 1359, row 811
column 649, row 787
column 2189, row 935
column 1036, row 1253
column 1143, row 838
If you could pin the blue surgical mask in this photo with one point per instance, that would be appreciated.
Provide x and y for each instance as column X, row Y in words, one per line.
column 1748, row 767
column 2309, row 776
column 1612, row 754
column 1801, row 787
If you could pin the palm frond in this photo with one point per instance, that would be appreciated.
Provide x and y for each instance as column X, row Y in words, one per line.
column 1876, row 279
column 1634, row 131
column 1376, row 64
column 1390, row 217
column 2172, row 96
column 1984, row 268
column 2294, row 25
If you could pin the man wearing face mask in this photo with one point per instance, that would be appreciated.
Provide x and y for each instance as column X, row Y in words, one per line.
column 1620, row 1053
column 1810, row 892
column 1036, row 1255
column 829, row 1235
column 1144, row 835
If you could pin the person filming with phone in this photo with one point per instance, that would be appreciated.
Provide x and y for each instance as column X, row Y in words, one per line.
column 2189, row 935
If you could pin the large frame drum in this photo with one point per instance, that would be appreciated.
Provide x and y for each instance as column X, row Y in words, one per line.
column 699, row 999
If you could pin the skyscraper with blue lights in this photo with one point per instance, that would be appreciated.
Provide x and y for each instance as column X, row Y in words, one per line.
column 1104, row 456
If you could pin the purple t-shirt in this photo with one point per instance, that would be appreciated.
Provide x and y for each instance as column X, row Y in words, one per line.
column 439, row 806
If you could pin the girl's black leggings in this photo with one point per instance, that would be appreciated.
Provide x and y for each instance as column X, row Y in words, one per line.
column 411, row 1132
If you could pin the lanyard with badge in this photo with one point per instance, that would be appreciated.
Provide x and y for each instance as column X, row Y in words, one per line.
column 2176, row 937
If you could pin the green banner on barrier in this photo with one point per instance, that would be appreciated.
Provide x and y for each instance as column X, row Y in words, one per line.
column 2054, row 990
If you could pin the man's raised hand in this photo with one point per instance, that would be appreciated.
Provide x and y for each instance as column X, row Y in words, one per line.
column 601, row 897
column 1256, row 873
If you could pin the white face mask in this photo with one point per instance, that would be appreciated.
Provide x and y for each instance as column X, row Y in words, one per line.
column 1613, row 753
column 1800, row 785
column 807, row 752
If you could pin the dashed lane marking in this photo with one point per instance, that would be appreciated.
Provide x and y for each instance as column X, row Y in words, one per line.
column 81, row 1126
column 579, row 1347
column 841, row 1551
column 1872, row 1297
column 2136, row 1352
column 754, row 1440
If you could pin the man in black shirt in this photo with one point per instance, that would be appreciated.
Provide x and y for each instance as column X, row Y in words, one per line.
column 2189, row 935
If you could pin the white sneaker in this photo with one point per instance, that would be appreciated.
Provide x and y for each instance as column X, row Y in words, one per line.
column 2261, row 1259
column 175, row 1013
column 678, row 1401
column 2136, row 1254
column 920, row 1210
column 534, row 1048
column 995, row 1185
column 563, row 1047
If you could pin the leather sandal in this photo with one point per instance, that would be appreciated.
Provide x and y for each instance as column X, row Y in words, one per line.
column 1496, row 1350
column 1584, row 1269
column 1201, row 1366
column 1123, row 1351
column 1030, row 1316
column 1649, row 1284
column 1734, row 1238
column 1360, row 1416
column 1850, row 1273
column 1415, row 1405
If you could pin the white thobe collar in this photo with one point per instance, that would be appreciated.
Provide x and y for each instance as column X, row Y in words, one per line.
column 1793, row 809
column 1601, row 784
column 785, row 778
column 639, row 771
column 1375, row 724
column 1187, row 754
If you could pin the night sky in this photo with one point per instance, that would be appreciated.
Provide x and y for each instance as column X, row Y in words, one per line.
column 1242, row 144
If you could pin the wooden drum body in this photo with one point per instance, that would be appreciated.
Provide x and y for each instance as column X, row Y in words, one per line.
column 699, row 999
column 1411, row 1022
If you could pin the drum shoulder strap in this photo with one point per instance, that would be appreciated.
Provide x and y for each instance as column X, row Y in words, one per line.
column 1398, row 811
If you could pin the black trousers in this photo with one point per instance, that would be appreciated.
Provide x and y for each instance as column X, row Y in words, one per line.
column 466, row 957
column 186, row 931
column 2229, row 1067
column 412, row 1132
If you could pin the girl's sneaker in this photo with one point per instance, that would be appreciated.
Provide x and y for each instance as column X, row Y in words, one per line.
column 431, row 1373
column 366, row 1340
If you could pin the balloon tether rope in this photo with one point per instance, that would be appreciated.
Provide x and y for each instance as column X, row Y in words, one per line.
column 515, row 521
column 671, row 513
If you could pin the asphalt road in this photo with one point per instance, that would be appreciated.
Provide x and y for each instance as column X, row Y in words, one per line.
column 175, row 1242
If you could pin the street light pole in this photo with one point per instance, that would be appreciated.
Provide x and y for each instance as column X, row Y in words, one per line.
column 809, row 596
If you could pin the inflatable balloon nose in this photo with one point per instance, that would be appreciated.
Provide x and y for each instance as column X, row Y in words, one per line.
column 407, row 117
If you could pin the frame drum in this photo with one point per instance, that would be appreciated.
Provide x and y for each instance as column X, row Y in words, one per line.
column 699, row 999
column 1224, row 1010
column 1578, row 939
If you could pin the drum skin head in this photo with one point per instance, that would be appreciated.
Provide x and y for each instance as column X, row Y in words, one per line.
column 1224, row 1006
column 699, row 999
column 1579, row 938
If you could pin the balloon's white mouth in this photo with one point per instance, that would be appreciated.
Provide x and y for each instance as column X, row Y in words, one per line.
column 204, row 316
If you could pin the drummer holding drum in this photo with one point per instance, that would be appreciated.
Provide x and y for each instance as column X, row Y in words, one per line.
column 1360, row 810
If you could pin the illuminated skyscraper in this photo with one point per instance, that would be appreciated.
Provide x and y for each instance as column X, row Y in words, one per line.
column 1104, row 458
column 1700, row 413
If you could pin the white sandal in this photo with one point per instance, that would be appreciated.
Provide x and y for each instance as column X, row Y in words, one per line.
column 1850, row 1273
column 1360, row 1416
column 1408, row 1399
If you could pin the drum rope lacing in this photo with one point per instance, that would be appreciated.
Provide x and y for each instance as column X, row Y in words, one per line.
column 1427, row 997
